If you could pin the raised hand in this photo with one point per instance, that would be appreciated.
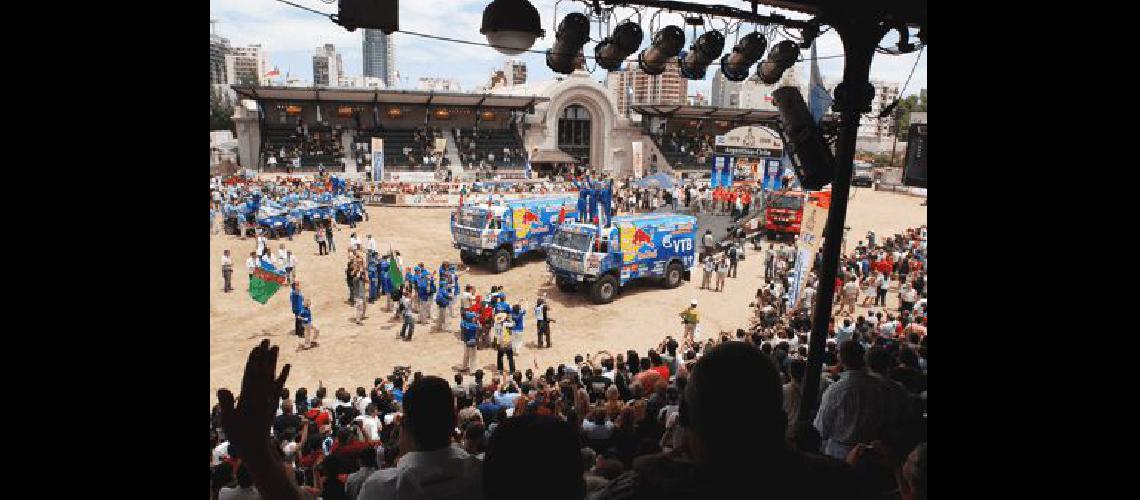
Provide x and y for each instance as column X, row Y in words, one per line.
column 247, row 424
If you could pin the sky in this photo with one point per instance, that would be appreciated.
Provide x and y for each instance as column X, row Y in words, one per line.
column 290, row 35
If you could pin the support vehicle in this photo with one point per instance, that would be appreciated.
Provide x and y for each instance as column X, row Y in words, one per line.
column 501, row 233
column 600, row 261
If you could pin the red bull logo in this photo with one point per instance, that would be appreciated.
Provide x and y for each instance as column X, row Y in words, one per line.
column 644, row 244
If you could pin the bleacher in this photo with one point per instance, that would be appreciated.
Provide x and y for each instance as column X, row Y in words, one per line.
column 681, row 160
column 287, row 138
column 492, row 141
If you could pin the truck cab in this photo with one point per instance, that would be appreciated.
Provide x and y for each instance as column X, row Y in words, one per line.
column 500, row 233
column 784, row 213
column 862, row 174
column 599, row 261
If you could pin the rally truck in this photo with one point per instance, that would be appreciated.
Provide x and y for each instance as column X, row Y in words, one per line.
column 502, row 232
column 315, row 214
column 275, row 221
column 783, row 214
column 347, row 209
column 600, row 261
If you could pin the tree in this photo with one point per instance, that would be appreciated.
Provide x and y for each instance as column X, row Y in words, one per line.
column 906, row 106
column 221, row 111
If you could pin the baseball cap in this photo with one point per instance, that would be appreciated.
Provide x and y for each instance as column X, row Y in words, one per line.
column 693, row 302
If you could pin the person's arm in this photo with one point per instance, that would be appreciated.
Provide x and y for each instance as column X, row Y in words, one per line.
column 247, row 424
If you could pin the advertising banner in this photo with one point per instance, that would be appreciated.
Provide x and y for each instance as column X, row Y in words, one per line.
column 377, row 158
column 811, row 237
column 638, row 159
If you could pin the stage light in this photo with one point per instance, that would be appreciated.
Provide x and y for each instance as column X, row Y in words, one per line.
column 613, row 50
column 511, row 25
column 780, row 58
column 666, row 44
column 812, row 160
column 703, row 52
column 735, row 66
column 573, row 32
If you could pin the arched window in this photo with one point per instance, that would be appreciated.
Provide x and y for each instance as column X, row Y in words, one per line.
column 574, row 132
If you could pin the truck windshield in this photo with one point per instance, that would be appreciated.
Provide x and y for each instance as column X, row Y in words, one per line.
column 787, row 202
column 573, row 241
column 473, row 219
column 863, row 169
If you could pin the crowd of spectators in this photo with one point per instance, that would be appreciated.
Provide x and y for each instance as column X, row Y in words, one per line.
column 691, row 148
column 718, row 417
column 475, row 157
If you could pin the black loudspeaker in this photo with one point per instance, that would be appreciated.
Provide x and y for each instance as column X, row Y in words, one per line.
column 914, row 174
column 383, row 15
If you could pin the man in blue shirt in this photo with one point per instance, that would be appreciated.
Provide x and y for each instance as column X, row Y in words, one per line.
column 488, row 408
column 425, row 288
column 443, row 300
column 296, row 303
column 373, row 279
column 470, row 331
column 306, row 316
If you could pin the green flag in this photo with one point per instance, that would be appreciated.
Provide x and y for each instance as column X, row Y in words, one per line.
column 395, row 274
column 266, row 281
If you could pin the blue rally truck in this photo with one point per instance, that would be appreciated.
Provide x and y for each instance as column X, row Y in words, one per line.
column 502, row 232
column 655, row 246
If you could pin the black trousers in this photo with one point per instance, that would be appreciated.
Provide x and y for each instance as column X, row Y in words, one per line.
column 299, row 327
column 544, row 331
column 322, row 248
column 510, row 353
column 881, row 298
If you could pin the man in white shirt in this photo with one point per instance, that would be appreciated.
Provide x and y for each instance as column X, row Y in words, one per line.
column 262, row 244
column 244, row 490
column 433, row 466
column 372, row 246
column 282, row 260
column 371, row 422
column 353, row 242
column 251, row 264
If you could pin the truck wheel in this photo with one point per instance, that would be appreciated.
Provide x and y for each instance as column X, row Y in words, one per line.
column 468, row 258
column 672, row 276
column 500, row 261
column 566, row 285
column 604, row 290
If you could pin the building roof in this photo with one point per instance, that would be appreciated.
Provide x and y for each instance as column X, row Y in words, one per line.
column 352, row 95
column 744, row 116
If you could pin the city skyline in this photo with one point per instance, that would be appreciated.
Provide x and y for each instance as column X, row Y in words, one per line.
column 289, row 34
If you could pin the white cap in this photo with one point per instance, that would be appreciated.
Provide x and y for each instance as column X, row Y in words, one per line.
column 694, row 302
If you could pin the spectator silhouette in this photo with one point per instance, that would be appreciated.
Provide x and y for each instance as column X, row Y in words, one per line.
column 734, row 421
column 534, row 456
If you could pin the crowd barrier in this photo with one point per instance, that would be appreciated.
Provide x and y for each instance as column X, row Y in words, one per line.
column 440, row 200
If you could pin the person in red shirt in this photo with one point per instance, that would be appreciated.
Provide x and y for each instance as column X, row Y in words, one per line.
column 658, row 365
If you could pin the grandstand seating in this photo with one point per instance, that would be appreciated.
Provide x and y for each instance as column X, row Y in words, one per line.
column 681, row 160
column 492, row 141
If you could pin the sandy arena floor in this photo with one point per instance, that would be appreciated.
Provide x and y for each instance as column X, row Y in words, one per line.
column 350, row 355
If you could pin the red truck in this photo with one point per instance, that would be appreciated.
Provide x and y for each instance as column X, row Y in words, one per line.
column 785, row 211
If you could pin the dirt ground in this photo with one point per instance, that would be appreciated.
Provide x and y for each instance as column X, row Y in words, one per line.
column 350, row 355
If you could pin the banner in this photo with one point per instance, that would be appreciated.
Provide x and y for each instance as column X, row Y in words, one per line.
column 411, row 176
column 638, row 159
column 727, row 173
column 377, row 159
column 811, row 237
